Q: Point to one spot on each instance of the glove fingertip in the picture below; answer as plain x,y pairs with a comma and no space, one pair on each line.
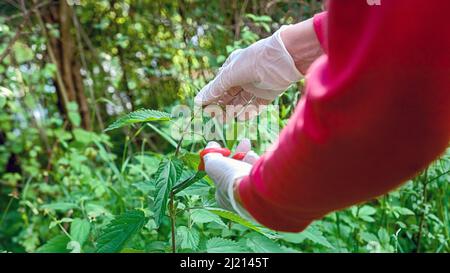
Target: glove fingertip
243,146
251,157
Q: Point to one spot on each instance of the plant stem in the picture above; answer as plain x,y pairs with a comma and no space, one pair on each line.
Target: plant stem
173,216
422,217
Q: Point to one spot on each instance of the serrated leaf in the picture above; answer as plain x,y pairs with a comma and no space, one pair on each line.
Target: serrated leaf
261,244
238,219
316,236
189,181
166,176
57,244
220,245
311,233
79,230
139,116
201,216
188,238
119,231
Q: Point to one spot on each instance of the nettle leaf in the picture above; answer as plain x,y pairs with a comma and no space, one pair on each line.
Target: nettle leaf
139,116
119,231
166,176
79,230
311,233
316,236
221,245
188,238
58,244
189,181
201,216
261,244
238,219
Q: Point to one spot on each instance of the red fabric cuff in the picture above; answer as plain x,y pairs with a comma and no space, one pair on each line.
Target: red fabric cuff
266,213
319,22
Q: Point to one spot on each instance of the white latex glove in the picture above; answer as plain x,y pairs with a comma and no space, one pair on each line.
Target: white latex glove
264,69
225,171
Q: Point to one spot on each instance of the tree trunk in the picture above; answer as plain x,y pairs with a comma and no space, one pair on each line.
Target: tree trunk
68,63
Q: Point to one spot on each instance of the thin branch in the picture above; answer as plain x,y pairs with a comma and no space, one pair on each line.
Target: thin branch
53,59
88,73
29,11
16,36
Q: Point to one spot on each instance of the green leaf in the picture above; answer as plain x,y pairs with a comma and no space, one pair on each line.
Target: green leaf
188,182
192,160
311,233
60,206
261,244
79,230
74,115
2,101
57,244
404,211
383,236
365,213
238,219
316,236
22,52
119,231
166,176
220,245
139,116
369,237
201,216
187,238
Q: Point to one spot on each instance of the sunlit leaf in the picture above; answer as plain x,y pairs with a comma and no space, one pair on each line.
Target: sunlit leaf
139,116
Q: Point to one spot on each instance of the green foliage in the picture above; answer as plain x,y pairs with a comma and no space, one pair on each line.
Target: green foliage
79,230
57,244
220,245
119,231
167,175
139,116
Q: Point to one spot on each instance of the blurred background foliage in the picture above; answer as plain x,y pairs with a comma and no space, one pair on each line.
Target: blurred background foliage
70,68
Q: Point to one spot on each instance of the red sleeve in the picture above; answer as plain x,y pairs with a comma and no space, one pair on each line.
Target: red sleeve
319,22
376,111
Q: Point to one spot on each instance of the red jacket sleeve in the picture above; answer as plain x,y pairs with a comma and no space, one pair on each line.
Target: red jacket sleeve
376,111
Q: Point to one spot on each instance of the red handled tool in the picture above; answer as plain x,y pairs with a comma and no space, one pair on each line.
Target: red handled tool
223,151
201,167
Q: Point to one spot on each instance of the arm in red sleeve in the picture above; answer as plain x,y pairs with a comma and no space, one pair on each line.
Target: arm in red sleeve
376,111
319,22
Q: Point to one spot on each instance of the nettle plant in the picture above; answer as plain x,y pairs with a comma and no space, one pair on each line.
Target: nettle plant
185,196
160,202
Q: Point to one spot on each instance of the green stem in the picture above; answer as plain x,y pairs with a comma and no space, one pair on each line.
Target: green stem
173,216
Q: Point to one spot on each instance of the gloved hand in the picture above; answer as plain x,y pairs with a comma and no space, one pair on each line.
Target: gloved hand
264,69
225,171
